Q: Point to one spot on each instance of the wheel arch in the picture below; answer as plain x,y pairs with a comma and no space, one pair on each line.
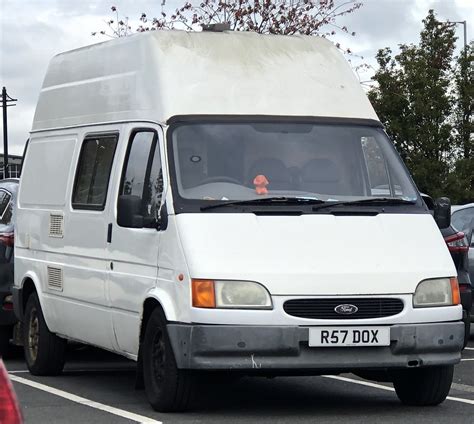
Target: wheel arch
156,298
29,284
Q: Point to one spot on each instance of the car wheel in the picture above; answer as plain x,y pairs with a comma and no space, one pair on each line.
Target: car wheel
423,386
167,387
44,351
5,336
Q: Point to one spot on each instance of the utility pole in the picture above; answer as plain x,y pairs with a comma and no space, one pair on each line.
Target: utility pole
5,100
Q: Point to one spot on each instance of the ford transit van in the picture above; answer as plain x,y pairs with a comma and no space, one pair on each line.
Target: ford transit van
228,202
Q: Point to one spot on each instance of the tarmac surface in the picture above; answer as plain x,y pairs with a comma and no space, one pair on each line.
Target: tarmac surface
98,387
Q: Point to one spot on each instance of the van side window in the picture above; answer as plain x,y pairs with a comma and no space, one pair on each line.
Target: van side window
93,172
143,175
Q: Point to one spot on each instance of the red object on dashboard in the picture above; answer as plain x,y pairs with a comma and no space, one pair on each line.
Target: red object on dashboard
261,182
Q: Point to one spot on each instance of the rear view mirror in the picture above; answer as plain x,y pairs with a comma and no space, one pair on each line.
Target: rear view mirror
129,211
442,212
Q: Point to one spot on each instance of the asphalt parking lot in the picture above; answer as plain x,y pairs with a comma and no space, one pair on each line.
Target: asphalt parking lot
98,387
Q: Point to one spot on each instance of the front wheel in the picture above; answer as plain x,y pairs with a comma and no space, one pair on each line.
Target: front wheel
167,387
423,386
44,351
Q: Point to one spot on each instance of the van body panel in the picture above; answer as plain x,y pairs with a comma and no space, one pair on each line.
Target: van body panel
94,276
135,78
316,254
49,190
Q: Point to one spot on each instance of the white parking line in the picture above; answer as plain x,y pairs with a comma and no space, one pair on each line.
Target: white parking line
469,348
82,371
390,389
467,359
84,401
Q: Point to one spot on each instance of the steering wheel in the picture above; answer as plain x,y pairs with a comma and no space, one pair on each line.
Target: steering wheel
220,179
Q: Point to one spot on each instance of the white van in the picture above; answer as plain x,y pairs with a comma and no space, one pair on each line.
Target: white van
224,201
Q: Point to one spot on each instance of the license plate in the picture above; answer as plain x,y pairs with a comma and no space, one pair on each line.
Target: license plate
349,336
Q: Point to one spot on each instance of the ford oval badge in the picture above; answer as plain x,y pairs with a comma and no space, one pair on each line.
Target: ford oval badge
346,309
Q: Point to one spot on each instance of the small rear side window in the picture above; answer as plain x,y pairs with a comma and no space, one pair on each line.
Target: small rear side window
93,172
6,208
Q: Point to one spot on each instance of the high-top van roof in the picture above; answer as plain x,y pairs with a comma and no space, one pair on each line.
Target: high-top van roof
155,75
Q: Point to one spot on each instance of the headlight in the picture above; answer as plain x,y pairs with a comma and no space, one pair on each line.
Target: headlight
230,294
437,292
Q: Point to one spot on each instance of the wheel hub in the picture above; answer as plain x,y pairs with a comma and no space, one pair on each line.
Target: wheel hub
33,334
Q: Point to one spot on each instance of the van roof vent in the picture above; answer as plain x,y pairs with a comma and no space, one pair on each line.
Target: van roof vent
55,278
220,27
56,225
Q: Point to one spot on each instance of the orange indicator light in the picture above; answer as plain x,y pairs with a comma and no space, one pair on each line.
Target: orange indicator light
203,294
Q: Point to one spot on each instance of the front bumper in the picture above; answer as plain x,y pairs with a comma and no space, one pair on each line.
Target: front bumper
226,347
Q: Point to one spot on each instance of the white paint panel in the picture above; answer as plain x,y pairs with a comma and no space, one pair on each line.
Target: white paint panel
318,254
156,75
45,172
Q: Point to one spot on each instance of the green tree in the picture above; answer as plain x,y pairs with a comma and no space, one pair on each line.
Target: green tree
461,181
422,97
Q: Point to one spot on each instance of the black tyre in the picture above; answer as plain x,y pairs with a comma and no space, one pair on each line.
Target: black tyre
44,351
5,336
167,388
423,386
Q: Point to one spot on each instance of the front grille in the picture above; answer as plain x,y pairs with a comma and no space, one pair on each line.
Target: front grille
324,308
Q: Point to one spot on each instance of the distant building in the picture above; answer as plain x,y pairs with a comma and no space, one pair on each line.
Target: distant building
14,166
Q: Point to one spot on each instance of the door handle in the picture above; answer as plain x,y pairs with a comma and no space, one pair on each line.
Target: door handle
109,233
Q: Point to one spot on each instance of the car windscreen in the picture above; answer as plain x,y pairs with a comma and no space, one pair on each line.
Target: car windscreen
463,219
223,161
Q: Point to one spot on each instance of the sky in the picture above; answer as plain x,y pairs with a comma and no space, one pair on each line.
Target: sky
33,31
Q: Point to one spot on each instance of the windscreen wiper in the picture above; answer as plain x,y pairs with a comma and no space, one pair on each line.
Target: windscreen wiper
267,200
373,201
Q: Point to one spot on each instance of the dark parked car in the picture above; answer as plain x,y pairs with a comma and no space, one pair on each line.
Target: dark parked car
458,243
463,220
8,193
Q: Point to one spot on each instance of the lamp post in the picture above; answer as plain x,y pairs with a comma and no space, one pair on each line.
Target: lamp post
465,30
5,100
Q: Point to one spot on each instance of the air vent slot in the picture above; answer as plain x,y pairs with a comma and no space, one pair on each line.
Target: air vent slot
55,278
56,225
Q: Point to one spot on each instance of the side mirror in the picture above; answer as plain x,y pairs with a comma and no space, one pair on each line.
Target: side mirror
442,212
129,211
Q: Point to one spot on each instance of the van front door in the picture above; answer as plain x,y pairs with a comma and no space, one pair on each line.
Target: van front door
133,251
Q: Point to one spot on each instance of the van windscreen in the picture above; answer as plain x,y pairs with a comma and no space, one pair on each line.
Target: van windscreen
245,160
